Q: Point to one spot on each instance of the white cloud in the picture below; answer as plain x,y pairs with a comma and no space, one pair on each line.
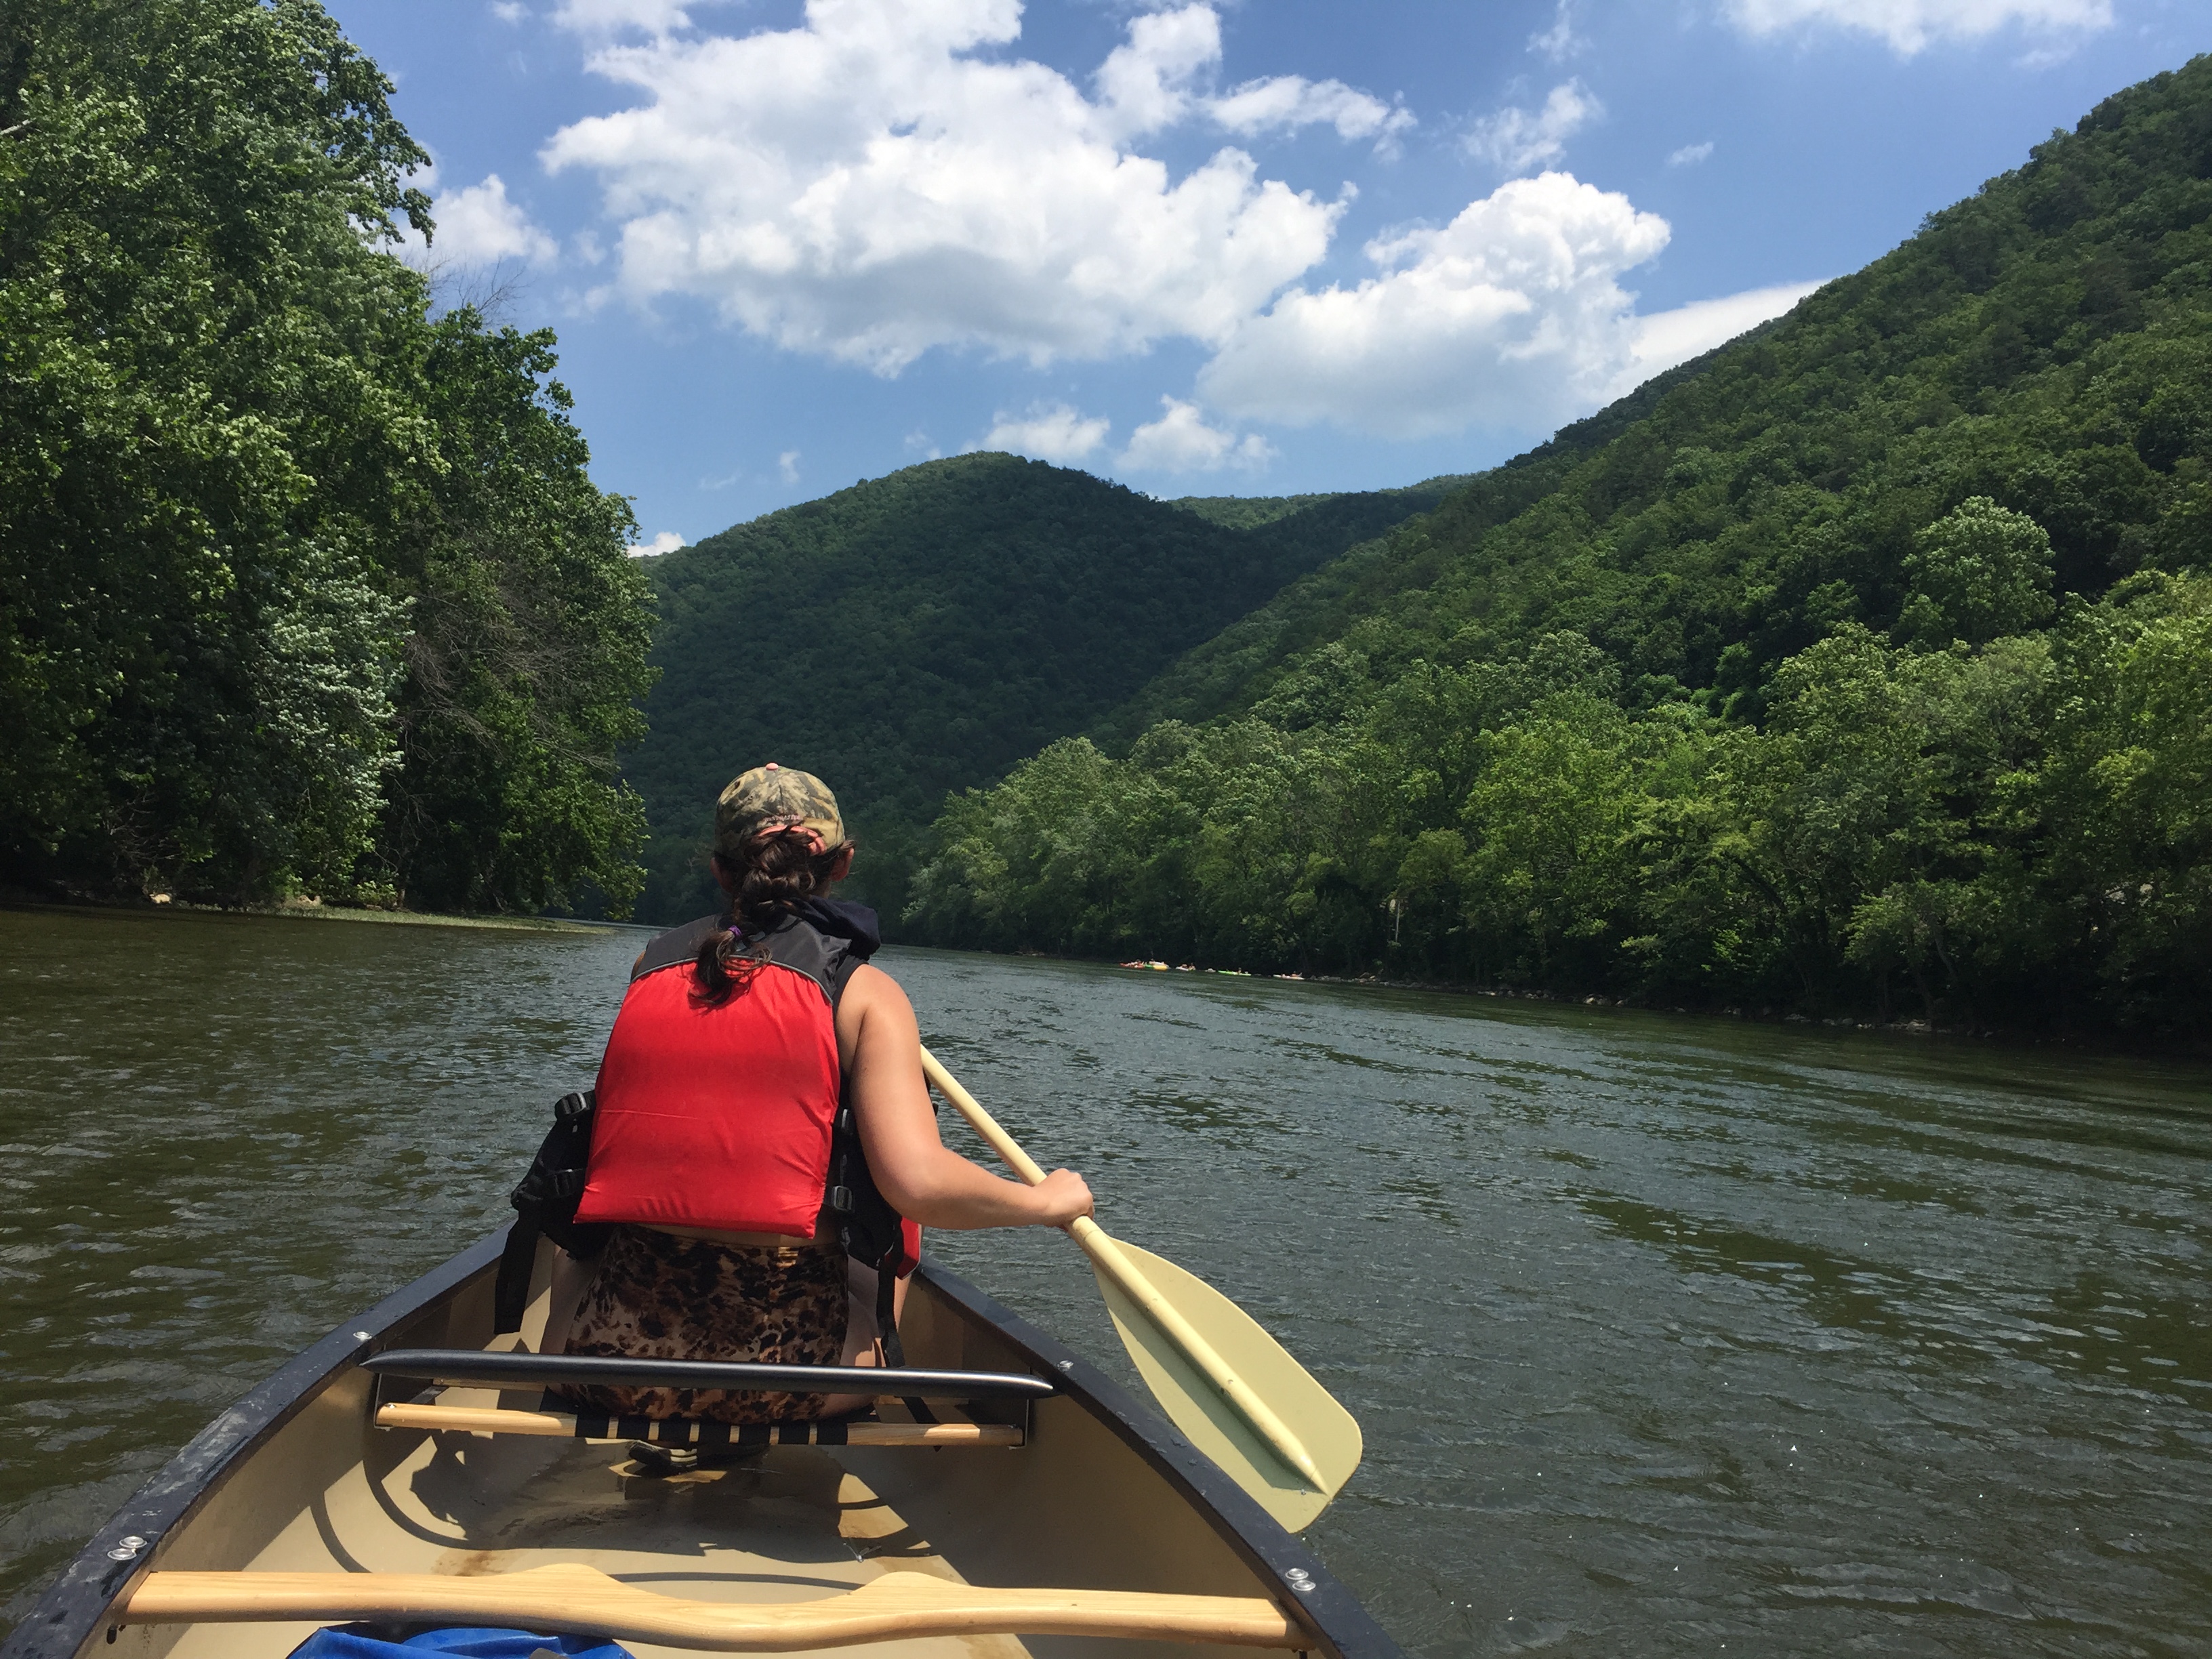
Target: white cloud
509,11
1182,441
1690,155
479,226
1517,140
1152,82
1159,79
666,542
1560,41
1291,100
787,466
879,181
1909,25
1665,338
1510,316
1052,432
604,17
891,176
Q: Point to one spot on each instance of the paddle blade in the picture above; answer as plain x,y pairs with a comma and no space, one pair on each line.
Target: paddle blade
1329,1432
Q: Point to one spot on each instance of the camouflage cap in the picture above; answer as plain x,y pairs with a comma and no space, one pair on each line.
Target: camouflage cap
770,798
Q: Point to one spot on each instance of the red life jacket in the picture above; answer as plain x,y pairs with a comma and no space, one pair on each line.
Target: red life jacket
727,1115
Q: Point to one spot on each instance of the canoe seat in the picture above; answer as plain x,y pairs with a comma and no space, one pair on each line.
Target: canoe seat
896,1423
899,1606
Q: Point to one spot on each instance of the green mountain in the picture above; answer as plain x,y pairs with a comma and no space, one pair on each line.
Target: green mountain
1863,666
920,633
1227,672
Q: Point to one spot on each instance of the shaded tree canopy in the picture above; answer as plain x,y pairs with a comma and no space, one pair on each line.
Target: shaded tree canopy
267,528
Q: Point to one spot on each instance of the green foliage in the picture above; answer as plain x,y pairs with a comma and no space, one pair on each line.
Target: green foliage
1978,571
923,632
245,476
1735,694
2017,831
1246,511
527,657
1319,527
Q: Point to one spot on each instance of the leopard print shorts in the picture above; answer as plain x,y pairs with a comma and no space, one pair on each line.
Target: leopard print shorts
659,1297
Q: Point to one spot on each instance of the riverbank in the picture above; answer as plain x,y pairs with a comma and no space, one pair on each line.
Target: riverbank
2095,1041
13,898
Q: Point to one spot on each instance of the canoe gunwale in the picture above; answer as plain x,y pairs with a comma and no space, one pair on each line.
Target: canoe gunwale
67,1618
79,1600
1344,1629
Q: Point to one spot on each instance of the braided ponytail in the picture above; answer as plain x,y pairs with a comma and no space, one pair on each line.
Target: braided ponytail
777,871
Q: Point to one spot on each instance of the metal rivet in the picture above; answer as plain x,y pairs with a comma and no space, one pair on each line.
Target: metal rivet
361,1336
118,1553
133,1542
1299,1580
1067,1364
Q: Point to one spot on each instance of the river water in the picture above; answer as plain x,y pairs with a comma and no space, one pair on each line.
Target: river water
1669,1335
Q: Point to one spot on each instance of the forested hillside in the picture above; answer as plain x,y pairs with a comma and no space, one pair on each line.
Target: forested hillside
302,589
920,633
1864,668
1223,674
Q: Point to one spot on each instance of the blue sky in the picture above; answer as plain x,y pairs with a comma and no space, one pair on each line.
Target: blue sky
1249,246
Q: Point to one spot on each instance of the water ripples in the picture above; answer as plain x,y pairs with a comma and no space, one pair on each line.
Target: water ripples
1670,1333
1667,1334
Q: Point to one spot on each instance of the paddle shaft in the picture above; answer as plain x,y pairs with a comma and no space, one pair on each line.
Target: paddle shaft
896,1607
1107,1256
550,1370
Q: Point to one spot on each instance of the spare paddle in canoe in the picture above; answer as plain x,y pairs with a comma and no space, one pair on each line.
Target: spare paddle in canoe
898,1606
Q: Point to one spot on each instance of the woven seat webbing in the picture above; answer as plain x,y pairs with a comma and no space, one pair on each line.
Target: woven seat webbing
694,1430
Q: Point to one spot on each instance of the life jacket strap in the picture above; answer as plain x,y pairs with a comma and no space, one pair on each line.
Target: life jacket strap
887,1308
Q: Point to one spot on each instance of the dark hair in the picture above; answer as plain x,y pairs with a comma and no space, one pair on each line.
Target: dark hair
776,873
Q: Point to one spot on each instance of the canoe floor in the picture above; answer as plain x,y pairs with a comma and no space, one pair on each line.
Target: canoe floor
1076,1507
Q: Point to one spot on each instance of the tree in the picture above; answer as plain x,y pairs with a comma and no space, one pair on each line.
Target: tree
1979,571
250,492
527,658
199,651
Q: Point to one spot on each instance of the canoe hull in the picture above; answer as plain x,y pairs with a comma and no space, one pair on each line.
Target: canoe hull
293,1478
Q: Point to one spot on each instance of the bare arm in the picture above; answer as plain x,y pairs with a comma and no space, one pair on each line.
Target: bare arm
880,1047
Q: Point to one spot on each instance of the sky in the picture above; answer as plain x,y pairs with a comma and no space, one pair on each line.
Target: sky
1251,247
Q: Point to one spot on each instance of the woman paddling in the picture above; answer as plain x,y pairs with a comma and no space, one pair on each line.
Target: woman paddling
764,1140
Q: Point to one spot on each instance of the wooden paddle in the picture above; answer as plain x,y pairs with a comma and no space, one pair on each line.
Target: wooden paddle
570,1596
1221,1379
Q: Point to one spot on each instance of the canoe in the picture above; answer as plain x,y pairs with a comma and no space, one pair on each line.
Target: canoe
392,1474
